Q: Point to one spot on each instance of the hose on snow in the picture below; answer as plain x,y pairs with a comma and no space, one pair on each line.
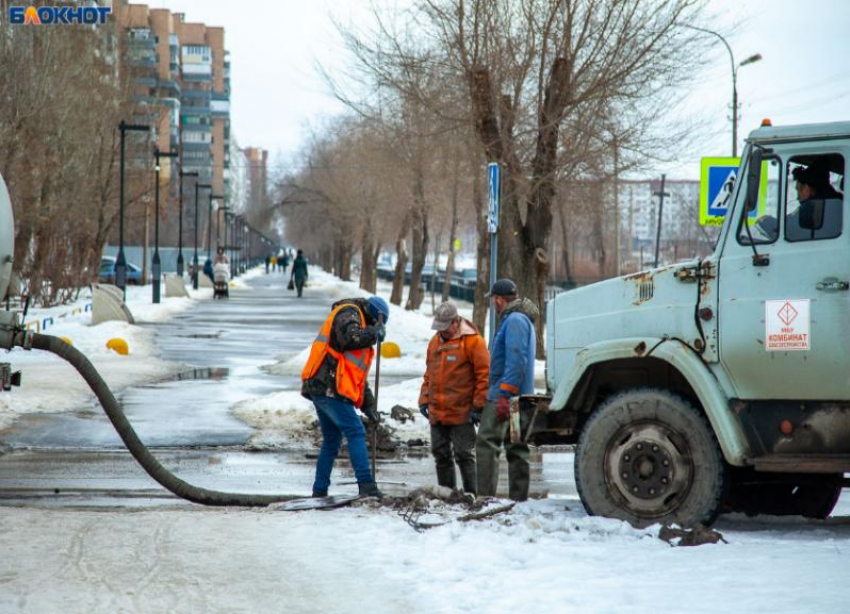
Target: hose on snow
128,435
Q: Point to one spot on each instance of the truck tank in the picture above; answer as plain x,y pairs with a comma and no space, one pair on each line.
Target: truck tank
7,238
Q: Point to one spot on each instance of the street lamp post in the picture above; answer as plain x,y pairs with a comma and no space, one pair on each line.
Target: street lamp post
209,224
121,260
218,213
198,186
750,60
157,267
180,223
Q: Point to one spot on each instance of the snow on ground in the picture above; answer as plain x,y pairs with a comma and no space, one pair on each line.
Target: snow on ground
52,385
543,557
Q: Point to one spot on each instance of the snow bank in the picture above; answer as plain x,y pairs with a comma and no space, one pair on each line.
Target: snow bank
51,385
287,420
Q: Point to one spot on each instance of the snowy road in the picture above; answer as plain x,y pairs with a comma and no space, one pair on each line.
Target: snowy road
77,459
110,540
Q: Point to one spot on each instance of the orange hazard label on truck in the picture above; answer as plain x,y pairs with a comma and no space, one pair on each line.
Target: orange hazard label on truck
787,325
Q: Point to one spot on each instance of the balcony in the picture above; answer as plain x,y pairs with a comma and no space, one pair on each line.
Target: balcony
145,81
170,85
186,110
191,146
196,69
202,128
196,78
220,108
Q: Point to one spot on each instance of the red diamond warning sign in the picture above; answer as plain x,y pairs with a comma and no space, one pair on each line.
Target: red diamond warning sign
787,325
787,313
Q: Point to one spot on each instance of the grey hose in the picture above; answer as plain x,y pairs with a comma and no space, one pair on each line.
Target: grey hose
125,430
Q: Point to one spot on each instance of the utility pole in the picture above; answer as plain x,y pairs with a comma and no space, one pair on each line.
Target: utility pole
180,261
617,203
660,196
157,266
121,260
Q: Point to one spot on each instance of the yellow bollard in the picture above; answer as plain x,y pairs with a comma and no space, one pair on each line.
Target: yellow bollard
118,345
390,349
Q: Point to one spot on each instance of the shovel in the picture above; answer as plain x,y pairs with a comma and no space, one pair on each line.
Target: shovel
377,383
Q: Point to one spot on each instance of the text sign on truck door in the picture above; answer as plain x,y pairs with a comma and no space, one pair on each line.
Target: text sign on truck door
787,325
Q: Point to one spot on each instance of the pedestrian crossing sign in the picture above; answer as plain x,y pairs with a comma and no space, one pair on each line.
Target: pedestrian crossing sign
717,189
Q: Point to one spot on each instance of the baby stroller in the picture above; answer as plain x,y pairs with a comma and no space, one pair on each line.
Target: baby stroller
221,277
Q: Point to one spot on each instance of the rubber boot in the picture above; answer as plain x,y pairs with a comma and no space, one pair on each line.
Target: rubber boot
468,477
318,494
446,476
369,489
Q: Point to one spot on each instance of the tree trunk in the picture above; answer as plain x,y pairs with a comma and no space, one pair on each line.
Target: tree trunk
401,262
565,252
368,258
482,280
433,279
450,263
416,294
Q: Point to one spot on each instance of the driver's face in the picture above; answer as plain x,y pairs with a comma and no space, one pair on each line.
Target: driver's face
804,191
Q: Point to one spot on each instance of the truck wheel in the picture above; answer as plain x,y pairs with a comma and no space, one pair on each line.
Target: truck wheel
808,495
647,456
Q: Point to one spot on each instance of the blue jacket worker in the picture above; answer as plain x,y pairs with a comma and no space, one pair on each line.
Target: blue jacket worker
511,374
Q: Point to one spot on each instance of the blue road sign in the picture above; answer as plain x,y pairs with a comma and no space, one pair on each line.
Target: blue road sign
717,188
494,177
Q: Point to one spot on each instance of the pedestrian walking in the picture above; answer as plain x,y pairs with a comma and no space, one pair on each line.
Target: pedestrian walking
285,262
299,272
268,263
511,374
335,380
453,395
274,263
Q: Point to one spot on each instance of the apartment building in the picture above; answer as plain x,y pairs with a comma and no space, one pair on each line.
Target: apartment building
181,81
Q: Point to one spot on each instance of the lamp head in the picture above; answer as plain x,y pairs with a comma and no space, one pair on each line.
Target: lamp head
751,60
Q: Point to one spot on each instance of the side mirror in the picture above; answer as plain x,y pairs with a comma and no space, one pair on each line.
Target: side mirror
811,214
753,179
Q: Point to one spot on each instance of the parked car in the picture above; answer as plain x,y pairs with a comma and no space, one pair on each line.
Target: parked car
107,272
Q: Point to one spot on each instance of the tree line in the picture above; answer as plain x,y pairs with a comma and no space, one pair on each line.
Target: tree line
566,95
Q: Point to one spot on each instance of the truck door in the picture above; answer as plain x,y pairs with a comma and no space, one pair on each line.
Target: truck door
785,326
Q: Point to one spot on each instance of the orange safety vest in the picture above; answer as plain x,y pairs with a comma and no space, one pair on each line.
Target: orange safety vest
352,366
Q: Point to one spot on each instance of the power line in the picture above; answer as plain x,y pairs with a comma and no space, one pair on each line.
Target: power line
832,80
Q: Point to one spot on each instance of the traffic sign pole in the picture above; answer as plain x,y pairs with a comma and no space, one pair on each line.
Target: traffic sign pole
494,185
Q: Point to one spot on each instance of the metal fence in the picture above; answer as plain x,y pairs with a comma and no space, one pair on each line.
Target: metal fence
463,287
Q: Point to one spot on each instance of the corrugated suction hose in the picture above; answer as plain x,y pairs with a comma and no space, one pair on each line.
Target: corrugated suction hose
128,435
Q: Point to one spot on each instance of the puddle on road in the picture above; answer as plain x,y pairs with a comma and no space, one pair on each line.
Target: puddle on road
201,336
207,373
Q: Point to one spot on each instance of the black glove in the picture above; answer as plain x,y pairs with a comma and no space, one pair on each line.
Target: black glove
475,416
380,331
423,409
371,413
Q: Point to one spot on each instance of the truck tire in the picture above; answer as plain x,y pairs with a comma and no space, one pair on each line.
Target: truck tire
648,456
807,495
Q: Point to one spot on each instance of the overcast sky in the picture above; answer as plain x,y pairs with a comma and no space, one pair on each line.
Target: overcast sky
804,75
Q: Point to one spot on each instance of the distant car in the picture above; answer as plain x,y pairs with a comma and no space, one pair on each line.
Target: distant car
107,272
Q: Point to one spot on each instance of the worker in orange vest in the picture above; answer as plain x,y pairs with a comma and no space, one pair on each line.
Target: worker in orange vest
335,380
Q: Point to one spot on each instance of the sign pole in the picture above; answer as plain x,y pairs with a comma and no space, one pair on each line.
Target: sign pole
494,185
660,196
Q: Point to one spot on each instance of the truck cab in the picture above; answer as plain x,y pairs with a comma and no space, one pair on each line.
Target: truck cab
720,384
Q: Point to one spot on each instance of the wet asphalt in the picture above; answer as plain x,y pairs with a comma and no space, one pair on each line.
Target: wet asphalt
76,459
